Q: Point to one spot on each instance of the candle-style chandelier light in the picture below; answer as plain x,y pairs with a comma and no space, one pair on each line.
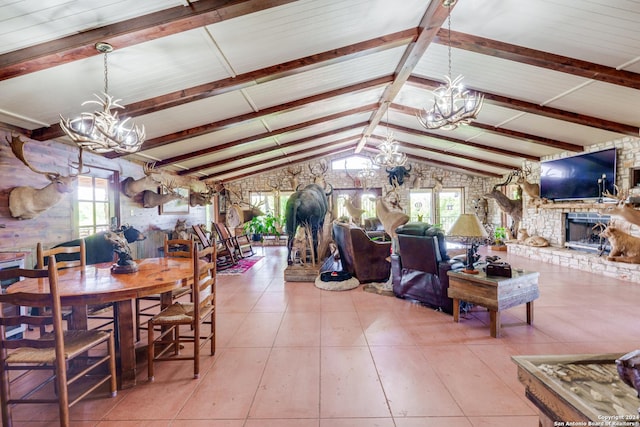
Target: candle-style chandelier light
453,104
103,131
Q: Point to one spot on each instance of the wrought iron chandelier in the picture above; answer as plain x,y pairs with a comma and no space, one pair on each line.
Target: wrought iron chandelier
389,156
453,105
103,131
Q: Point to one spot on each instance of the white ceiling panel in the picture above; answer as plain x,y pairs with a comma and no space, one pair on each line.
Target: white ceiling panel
309,27
25,23
599,31
322,109
498,76
193,114
324,79
604,100
209,140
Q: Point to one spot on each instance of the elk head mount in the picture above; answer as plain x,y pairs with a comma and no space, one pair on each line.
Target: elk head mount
29,202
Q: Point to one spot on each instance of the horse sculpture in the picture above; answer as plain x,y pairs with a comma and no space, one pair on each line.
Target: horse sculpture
307,208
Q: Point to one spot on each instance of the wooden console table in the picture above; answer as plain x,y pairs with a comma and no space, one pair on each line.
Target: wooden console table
578,390
493,292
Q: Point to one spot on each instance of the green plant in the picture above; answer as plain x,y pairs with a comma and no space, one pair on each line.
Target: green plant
264,224
500,234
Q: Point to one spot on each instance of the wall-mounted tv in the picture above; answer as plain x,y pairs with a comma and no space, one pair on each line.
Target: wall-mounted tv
577,177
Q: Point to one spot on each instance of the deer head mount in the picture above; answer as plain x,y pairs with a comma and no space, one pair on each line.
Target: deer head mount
201,198
622,209
293,177
151,199
531,189
29,202
131,187
319,172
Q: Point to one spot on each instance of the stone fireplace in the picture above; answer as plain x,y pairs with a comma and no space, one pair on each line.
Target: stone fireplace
581,231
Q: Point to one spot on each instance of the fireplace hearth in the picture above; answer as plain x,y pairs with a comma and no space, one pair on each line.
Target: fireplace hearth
581,232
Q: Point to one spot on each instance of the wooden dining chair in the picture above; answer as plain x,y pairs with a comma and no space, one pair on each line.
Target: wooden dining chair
148,306
53,351
76,256
192,315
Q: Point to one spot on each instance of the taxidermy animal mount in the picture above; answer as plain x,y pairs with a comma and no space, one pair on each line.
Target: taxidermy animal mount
131,187
29,202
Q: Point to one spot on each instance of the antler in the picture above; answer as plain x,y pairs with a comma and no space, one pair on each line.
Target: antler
507,181
621,196
17,147
148,168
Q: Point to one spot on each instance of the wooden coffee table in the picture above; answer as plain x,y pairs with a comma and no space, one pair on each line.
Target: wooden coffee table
493,292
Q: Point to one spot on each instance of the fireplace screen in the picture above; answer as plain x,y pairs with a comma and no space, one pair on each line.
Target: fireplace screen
582,232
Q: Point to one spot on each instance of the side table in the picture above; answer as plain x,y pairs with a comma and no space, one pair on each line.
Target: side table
493,292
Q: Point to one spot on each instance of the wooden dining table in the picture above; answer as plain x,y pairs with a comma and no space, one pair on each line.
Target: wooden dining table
96,284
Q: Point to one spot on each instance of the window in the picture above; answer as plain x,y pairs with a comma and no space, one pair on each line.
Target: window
266,202
352,163
96,201
421,206
448,204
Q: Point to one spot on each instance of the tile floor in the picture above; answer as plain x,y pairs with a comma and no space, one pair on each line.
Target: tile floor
291,355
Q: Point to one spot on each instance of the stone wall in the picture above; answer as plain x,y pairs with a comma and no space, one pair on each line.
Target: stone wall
547,220
421,176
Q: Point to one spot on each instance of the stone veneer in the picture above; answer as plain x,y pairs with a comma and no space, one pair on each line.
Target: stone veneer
548,220
579,260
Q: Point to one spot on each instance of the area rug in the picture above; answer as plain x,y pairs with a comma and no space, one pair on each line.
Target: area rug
241,267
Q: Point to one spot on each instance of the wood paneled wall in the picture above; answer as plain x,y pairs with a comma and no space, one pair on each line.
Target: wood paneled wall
57,224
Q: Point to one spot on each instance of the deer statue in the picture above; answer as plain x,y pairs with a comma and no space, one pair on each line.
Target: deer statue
354,212
622,209
390,218
151,199
28,202
511,207
293,177
531,190
131,187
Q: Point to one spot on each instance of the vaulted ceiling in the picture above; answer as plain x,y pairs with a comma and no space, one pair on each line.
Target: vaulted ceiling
227,89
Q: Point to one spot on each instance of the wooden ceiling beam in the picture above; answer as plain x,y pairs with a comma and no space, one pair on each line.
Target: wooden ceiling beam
277,109
535,139
405,144
537,58
430,23
127,33
449,165
253,138
270,168
429,134
540,110
245,80
266,150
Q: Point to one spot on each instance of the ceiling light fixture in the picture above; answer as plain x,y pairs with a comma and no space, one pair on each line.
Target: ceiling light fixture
103,131
389,156
453,105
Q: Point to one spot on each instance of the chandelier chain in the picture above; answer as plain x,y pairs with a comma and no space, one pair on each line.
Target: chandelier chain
449,39
106,74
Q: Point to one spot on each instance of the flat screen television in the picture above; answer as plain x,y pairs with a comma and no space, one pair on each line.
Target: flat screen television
578,177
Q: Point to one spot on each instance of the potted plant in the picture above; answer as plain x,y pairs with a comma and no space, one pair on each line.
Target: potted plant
499,236
261,225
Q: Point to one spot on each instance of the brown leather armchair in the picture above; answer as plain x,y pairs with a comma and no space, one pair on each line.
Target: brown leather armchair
364,258
419,269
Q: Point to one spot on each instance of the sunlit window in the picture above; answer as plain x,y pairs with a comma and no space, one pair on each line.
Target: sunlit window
95,205
353,163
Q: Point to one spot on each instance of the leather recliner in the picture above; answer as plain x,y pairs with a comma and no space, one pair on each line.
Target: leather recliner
419,269
364,258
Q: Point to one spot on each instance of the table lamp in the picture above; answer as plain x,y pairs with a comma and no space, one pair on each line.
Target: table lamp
469,228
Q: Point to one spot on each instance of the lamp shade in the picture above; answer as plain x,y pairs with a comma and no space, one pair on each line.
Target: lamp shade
468,225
